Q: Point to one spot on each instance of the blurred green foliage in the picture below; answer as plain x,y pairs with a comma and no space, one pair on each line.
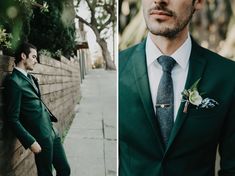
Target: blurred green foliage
39,22
49,32
14,18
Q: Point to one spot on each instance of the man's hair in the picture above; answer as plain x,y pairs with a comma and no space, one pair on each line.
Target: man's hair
23,48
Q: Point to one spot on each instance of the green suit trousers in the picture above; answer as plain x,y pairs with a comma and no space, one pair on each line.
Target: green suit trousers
52,154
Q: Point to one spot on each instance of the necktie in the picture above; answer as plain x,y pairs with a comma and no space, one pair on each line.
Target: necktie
165,98
31,80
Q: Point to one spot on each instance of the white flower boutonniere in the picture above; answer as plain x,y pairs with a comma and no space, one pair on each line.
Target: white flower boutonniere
37,79
192,96
195,98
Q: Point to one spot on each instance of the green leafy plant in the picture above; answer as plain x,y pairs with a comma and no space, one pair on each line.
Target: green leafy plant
15,17
5,38
45,53
50,32
43,7
58,53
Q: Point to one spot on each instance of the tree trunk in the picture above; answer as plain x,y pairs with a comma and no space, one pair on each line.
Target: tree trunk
109,64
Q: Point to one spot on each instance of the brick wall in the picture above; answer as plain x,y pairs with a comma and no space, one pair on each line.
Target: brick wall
60,88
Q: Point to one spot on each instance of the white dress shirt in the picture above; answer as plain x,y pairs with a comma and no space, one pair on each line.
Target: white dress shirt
26,74
22,71
179,72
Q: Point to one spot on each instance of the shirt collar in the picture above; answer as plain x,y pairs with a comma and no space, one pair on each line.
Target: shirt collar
181,55
22,71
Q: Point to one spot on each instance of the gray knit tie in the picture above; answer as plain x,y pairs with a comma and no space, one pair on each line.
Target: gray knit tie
165,98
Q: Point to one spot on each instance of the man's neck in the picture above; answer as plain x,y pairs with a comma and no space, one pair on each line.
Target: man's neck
21,66
21,70
169,45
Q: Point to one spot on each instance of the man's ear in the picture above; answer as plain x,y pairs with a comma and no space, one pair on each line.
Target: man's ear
198,4
23,56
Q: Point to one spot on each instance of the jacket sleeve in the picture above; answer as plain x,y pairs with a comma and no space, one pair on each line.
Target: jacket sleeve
13,97
227,143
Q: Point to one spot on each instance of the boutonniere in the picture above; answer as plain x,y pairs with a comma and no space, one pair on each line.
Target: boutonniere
37,79
192,96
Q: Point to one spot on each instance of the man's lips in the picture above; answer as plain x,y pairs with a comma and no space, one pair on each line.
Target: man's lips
160,13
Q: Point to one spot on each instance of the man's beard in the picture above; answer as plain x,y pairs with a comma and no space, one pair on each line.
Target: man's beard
179,26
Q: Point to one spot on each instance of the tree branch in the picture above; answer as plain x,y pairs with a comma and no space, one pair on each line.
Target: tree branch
83,21
92,10
89,5
103,26
94,28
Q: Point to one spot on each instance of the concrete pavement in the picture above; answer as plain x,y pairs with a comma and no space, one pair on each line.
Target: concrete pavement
91,142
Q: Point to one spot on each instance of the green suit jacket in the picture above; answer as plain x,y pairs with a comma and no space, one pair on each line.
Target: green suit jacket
26,114
196,134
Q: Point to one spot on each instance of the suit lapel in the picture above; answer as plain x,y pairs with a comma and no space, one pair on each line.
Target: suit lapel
27,79
196,68
141,77
15,71
36,84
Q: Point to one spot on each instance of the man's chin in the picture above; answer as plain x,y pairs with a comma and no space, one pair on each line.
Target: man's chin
30,69
167,32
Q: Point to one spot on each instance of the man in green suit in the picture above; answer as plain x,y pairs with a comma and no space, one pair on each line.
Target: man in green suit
30,119
162,131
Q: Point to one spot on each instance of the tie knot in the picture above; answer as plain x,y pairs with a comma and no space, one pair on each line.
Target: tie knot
167,63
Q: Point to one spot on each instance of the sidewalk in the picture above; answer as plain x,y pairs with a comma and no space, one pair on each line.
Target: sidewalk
91,141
